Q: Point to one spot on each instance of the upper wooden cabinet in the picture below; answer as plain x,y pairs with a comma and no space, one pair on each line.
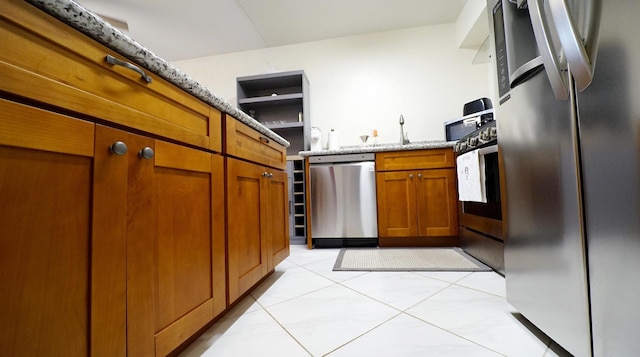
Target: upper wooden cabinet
416,194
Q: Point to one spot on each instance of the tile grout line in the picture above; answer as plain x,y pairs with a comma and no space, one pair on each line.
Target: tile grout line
400,311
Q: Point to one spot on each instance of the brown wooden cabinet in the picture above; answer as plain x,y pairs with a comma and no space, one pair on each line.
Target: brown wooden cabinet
45,229
416,194
106,251
104,254
257,223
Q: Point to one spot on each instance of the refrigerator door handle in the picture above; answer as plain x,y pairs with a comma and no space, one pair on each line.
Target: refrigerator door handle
580,58
557,77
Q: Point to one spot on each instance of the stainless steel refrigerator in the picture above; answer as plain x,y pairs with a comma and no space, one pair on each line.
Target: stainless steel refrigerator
568,113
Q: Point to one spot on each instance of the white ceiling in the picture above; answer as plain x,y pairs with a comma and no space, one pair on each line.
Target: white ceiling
177,30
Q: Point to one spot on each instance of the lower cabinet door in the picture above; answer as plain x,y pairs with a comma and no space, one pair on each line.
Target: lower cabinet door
278,217
396,194
437,203
189,275
246,226
154,204
46,162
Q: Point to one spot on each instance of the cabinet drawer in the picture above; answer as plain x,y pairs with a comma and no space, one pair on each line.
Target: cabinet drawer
415,159
46,60
246,143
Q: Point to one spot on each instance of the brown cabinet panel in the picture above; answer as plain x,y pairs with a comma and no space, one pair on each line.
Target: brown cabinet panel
246,143
257,223
101,251
246,226
45,236
278,217
183,243
50,62
45,252
415,159
416,207
131,178
189,289
436,192
396,204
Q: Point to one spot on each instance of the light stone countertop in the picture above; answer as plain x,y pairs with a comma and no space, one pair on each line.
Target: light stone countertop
421,145
93,26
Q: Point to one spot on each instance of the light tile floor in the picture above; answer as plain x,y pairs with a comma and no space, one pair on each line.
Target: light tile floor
306,309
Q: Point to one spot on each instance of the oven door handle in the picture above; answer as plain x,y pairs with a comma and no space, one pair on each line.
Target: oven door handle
487,150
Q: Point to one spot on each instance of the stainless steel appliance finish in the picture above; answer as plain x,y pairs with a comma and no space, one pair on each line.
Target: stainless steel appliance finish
458,128
343,198
480,223
570,138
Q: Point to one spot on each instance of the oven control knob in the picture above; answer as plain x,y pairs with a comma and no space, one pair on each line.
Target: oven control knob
463,146
493,132
472,142
485,135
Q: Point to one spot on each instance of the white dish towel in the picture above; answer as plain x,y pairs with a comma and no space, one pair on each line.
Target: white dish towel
471,177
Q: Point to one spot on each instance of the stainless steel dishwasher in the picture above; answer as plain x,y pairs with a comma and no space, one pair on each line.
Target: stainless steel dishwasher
343,200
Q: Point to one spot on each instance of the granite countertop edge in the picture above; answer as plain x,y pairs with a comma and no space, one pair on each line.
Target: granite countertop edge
422,145
95,27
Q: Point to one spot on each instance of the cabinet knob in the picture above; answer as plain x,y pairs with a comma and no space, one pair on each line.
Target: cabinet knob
410,175
118,148
270,175
265,174
146,153
419,175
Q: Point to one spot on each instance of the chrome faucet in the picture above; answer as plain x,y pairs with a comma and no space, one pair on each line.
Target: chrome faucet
404,139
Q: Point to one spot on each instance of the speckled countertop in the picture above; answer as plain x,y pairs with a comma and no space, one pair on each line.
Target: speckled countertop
421,145
93,26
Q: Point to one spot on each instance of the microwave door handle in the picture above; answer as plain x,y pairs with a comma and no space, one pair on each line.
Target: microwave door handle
557,77
581,60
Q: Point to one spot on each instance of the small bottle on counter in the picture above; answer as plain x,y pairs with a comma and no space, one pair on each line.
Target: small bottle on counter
375,137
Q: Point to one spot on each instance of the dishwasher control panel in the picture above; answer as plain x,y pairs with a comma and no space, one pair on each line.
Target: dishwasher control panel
326,159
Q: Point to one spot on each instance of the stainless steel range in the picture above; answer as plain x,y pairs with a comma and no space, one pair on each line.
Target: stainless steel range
480,220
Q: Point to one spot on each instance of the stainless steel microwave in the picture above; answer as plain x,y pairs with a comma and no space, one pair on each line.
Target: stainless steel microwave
456,129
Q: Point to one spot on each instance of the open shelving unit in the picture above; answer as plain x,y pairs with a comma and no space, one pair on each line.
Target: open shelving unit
280,101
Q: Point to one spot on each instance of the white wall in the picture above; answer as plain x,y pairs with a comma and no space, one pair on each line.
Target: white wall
365,82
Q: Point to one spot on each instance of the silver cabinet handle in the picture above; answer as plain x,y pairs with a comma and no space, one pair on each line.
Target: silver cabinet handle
146,153
118,148
419,175
580,57
557,78
270,175
410,175
264,139
114,61
265,174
